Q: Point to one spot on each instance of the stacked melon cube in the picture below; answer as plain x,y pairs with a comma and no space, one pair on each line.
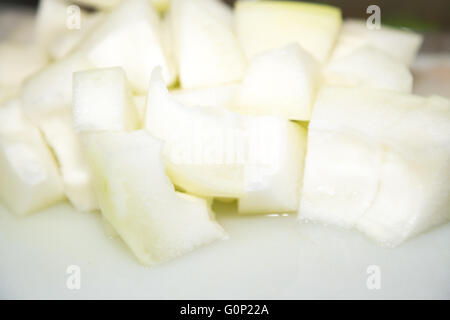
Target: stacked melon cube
278,105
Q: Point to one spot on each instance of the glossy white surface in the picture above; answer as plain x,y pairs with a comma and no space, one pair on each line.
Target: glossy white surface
265,258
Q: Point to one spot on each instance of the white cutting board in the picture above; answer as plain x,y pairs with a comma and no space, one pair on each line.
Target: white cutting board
265,258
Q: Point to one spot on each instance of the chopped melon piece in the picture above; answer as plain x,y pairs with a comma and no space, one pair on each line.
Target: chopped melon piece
65,43
203,145
401,44
13,120
102,101
130,37
278,188
207,51
139,201
264,25
67,148
19,61
213,152
281,82
340,178
369,67
30,179
51,89
217,97
378,161
53,20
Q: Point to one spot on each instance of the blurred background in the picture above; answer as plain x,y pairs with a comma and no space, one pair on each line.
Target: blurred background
429,17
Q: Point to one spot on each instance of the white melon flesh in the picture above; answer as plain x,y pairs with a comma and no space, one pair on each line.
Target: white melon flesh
50,89
278,187
281,82
54,18
102,101
68,150
8,92
378,161
402,45
218,97
265,25
140,102
199,157
130,37
213,152
369,67
139,201
340,177
207,51
51,18
19,61
30,179
66,42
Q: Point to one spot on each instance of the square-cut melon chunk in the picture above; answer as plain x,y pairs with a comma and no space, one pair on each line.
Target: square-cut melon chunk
102,101
281,82
378,161
205,46
139,201
264,25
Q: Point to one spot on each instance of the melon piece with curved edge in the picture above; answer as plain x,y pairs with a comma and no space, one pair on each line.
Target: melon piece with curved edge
207,51
281,82
369,67
213,152
402,45
139,201
30,179
204,146
265,25
217,97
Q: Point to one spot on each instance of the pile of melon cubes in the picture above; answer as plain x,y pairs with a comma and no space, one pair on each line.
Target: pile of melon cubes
147,111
